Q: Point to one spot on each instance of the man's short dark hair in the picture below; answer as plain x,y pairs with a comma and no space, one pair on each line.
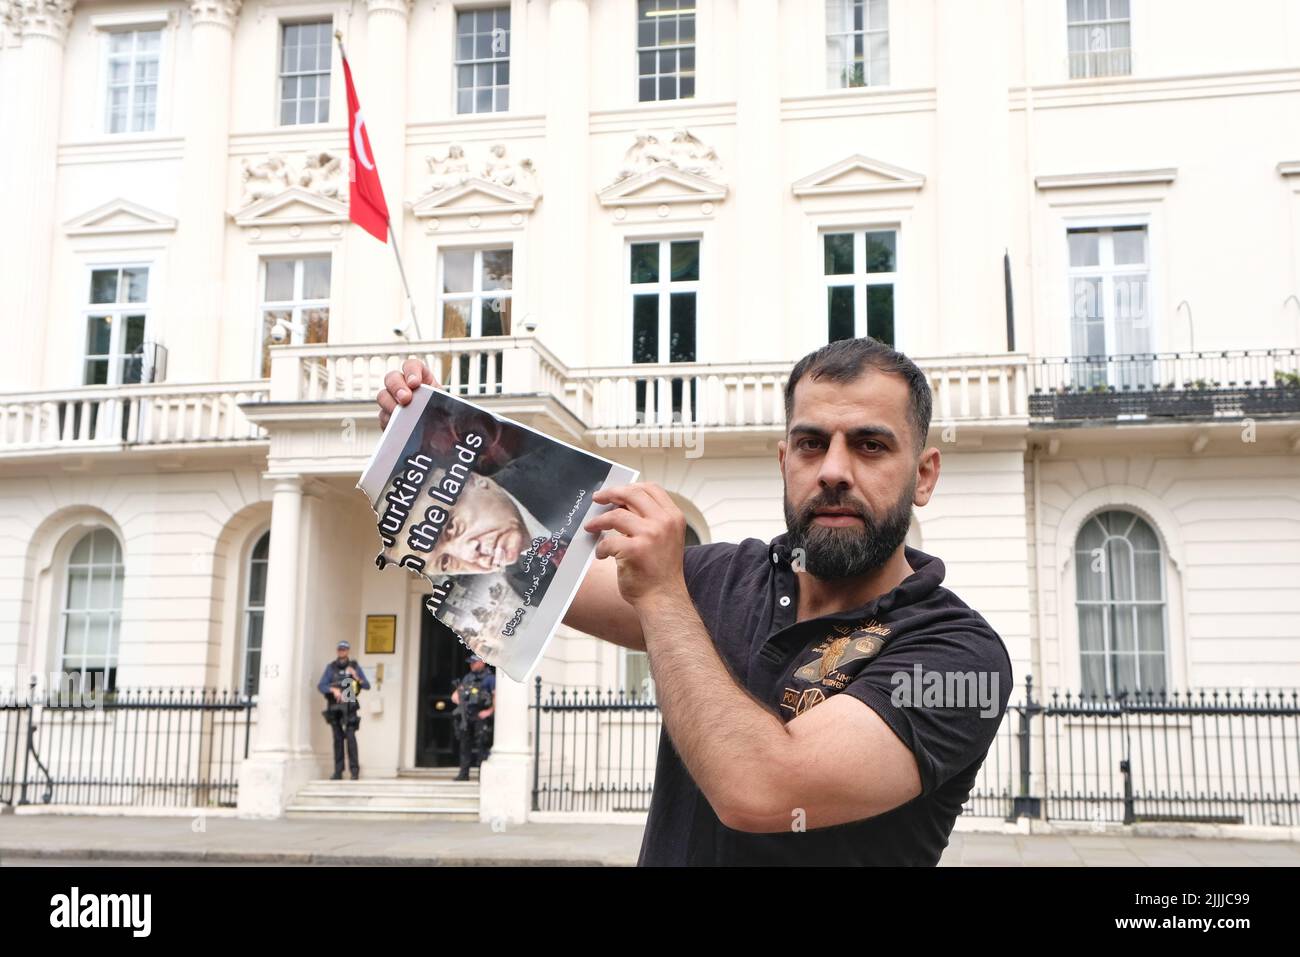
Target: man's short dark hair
846,359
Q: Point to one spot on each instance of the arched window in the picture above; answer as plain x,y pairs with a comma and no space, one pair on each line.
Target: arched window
1119,569
254,610
92,610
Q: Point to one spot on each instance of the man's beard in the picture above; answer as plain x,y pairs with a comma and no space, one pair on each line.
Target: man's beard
846,551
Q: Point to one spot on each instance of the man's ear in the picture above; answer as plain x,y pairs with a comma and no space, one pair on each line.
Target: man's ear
927,475
780,455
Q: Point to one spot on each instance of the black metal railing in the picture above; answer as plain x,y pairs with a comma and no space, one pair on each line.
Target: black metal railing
593,750
1194,385
1226,756
152,747
1209,755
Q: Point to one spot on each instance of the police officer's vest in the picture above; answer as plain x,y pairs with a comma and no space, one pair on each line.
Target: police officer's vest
474,696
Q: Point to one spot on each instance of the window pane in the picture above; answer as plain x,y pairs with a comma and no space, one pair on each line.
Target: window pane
458,270
279,280
78,588
257,583
132,333
455,318
645,328
269,318
103,285
1130,247
838,253
496,316
645,262
317,324
880,312
839,311
99,333
685,260
646,90
498,267
880,252
681,327
1084,249
316,277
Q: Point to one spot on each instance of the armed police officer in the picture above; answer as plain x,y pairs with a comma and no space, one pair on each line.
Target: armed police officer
340,684
473,700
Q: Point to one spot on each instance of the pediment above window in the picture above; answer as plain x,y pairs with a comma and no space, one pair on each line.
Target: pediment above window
473,197
662,185
294,206
858,174
119,216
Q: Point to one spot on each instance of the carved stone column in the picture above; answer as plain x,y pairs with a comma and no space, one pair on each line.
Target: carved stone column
193,325
33,144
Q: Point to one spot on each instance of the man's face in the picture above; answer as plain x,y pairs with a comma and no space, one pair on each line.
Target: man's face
852,473
476,666
484,531
342,654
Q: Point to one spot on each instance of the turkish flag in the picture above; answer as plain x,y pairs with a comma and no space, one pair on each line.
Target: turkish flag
366,206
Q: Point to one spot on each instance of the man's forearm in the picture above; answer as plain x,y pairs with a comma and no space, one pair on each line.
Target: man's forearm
731,745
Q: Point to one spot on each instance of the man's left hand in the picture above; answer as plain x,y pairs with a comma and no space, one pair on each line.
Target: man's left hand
648,549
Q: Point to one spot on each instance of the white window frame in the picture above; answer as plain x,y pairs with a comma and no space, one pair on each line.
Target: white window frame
456,63
1091,57
1104,603
663,288
859,279
694,45
302,19
105,73
867,32
247,608
118,310
295,306
477,293
114,614
1109,272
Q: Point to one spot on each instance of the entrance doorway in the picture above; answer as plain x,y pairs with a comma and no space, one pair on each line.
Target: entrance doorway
441,664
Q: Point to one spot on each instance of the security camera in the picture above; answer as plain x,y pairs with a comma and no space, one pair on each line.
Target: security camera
279,333
399,331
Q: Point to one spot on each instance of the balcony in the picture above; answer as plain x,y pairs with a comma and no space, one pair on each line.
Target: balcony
735,398
319,386
1235,384
116,418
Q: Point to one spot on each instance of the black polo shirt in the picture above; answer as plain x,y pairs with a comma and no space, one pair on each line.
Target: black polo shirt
747,596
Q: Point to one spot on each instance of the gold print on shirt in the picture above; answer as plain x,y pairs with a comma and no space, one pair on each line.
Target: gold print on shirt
843,645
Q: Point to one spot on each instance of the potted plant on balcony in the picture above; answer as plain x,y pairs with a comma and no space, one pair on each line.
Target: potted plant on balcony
1282,396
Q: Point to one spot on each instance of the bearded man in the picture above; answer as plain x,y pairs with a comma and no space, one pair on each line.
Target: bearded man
825,699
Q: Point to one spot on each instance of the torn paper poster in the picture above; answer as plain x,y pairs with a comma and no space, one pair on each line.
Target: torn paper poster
491,512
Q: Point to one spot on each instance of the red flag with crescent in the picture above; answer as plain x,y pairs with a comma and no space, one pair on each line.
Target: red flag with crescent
366,206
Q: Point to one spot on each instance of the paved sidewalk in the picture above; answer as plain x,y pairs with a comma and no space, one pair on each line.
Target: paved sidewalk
225,840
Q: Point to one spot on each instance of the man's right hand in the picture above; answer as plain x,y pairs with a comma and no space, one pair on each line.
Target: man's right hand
399,387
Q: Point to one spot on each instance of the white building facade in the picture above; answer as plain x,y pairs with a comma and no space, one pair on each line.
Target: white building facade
622,221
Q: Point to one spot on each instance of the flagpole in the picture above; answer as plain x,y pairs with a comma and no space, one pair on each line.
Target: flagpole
397,253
